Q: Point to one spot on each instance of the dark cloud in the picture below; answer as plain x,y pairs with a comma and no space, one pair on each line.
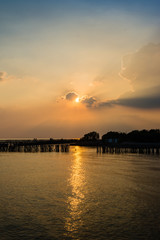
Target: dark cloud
109,103
89,101
149,100
141,102
71,96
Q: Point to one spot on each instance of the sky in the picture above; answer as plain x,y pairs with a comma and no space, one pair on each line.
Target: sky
69,67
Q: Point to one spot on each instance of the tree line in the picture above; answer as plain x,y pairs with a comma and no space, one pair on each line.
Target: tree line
150,136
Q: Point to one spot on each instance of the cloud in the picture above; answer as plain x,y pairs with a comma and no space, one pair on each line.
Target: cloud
141,102
98,81
89,101
142,68
3,76
148,100
71,96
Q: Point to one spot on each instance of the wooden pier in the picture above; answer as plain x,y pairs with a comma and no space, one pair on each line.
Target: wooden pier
32,147
64,145
130,148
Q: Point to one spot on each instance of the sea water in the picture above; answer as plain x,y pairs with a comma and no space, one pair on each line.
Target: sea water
79,195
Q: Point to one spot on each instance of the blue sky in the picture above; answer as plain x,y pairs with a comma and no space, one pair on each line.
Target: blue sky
19,9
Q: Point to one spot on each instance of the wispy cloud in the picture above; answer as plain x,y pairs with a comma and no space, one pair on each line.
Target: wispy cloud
3,76
98,81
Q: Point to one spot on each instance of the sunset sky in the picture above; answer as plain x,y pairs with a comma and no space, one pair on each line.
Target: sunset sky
69,67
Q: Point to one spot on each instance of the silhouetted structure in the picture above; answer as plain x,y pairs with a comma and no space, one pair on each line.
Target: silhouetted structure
145,141
143,136
34,146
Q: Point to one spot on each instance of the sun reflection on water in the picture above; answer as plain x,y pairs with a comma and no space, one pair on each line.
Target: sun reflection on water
76,199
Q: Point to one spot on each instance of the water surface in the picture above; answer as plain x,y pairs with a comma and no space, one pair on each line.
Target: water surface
79,195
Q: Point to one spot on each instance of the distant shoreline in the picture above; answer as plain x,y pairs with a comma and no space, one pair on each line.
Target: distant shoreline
144,139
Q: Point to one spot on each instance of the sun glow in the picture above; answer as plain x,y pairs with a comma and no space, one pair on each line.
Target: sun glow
77,100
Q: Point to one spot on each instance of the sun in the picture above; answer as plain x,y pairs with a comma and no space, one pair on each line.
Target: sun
77,100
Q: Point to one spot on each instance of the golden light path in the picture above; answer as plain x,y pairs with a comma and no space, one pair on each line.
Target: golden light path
76,199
